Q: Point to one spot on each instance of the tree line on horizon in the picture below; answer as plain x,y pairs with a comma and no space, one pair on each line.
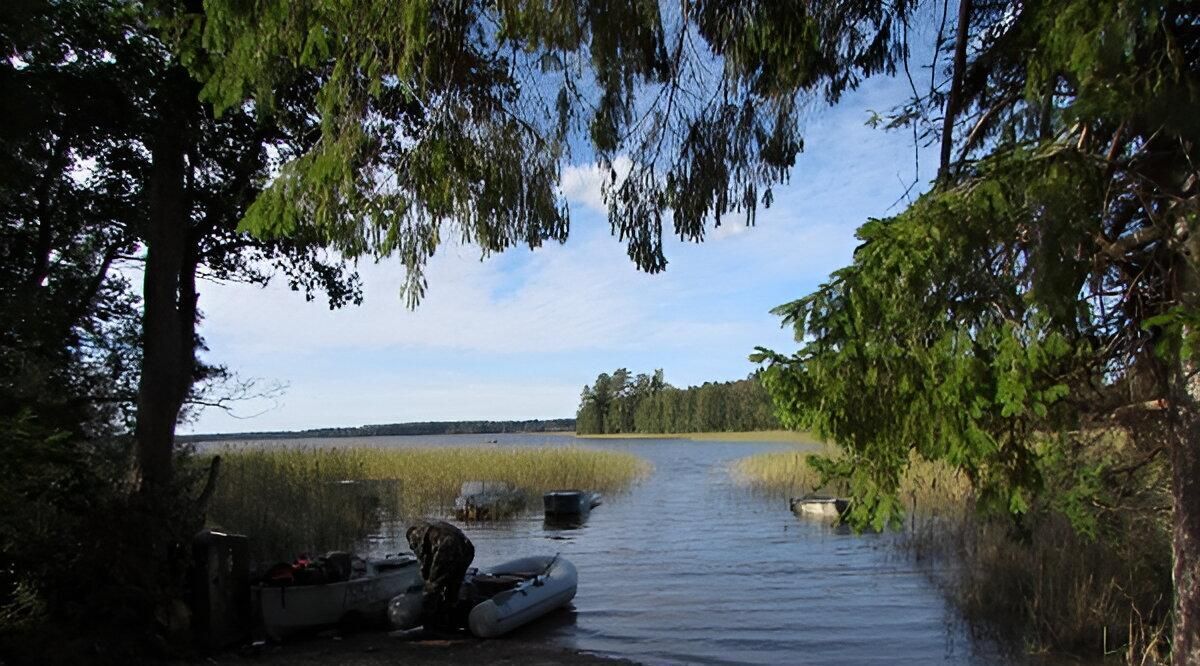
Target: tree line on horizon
397,429
625,403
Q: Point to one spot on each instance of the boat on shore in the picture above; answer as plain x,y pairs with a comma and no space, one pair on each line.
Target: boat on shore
500,598
821,507
530,588
576,504
487,500
289,607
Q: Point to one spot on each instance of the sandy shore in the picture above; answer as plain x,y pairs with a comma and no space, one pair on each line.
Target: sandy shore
377,648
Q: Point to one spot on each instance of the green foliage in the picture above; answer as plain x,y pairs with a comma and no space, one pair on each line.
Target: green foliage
87,84
1003,313
952,335
81,88
74,545
68,324
1178,333
450,121
621,403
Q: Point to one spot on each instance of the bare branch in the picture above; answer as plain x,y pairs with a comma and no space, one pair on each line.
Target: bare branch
225,392
981,125
1123,245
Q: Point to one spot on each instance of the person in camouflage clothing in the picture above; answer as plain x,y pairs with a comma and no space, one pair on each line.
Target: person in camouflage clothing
445,553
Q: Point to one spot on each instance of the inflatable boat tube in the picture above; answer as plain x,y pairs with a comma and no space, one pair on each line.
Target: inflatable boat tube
550,583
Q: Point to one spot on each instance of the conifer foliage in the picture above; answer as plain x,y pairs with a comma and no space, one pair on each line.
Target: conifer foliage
447,121
1043,292
623,403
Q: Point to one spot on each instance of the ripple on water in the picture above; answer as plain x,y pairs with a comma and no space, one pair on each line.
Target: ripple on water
687,568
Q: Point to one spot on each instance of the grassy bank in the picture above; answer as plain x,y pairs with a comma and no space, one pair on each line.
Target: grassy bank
930,490
1039,585
787,436
292,500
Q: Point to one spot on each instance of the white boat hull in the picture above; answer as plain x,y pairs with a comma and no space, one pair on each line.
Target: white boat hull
529,600
821,507
293,609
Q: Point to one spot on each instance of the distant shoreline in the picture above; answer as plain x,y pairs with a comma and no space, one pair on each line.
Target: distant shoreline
789,436
415,428
424,429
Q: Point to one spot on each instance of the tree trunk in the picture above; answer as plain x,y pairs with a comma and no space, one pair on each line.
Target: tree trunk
168,326
1185,478
957,73
45,206
1185,536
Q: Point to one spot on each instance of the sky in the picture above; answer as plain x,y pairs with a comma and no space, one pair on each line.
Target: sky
518,335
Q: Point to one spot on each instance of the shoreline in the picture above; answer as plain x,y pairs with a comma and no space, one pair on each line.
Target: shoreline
377,648
783,436
778,436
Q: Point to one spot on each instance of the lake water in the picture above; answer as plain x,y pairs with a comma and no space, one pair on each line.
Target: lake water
688,568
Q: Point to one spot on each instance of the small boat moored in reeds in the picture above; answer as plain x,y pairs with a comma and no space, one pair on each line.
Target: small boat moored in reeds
570,503
488,500
819,507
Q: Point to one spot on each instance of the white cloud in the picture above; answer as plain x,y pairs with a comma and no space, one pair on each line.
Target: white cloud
582,183
729,229
568,299
515,336
586,295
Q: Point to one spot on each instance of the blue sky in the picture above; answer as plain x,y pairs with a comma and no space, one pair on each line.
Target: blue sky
517,336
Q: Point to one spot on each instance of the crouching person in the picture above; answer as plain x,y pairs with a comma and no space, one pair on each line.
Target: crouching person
445,554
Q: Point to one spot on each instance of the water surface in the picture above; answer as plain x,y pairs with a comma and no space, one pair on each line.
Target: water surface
688,568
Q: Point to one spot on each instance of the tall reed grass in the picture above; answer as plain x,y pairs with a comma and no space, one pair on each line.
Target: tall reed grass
930,489
1047,589
1040,586
294,500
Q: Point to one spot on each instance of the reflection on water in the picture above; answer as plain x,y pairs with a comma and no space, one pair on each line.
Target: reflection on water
687,568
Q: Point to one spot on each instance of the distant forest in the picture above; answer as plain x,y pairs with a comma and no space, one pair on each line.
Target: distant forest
624,403
420,428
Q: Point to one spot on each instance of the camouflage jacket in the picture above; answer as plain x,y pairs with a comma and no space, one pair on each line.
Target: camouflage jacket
439,545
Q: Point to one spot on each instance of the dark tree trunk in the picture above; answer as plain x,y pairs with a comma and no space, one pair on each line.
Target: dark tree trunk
169,288
1185,541
954,99
45,207
1185,473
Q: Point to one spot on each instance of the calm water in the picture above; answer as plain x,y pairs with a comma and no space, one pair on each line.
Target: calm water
687,568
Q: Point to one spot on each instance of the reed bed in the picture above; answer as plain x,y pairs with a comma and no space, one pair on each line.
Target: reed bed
310,500
930,489
1049,589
